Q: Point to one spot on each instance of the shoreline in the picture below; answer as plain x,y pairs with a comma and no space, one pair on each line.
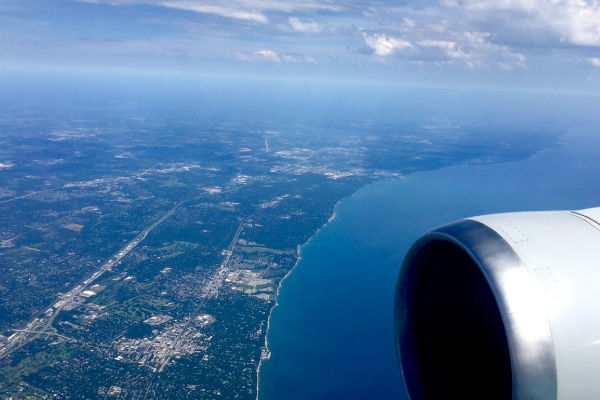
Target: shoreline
265,352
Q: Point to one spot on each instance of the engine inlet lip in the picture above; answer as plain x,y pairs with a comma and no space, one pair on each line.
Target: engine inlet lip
533,365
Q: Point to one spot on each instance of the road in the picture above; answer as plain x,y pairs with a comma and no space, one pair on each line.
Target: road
210,290
40,325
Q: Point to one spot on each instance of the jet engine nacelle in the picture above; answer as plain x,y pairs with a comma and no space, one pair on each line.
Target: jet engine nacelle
503,306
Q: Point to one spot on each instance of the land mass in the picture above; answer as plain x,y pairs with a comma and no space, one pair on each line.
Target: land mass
142,257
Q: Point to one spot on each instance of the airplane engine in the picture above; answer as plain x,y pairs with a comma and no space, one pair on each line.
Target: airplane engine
502,306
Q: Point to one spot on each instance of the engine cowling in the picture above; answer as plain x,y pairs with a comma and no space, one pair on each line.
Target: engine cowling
502,306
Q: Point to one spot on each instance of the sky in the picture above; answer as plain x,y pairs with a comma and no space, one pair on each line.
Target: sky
544,44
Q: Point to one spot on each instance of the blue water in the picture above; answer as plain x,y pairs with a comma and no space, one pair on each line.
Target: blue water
331,335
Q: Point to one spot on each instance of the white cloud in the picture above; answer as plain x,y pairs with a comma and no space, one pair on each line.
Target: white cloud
227,12
384,45
448,47
434,32
241,56
442,44
409,23
595,61
475,50
574,21
247,10
471,48
268,55
304,26
309,60
289,59
287,6
479,43
6,165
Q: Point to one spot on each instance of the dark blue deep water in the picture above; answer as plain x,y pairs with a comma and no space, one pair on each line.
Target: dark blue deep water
331,335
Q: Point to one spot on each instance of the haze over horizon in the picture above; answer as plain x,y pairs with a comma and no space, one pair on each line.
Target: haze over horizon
509,44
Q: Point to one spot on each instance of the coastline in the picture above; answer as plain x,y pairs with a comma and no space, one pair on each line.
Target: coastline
265,352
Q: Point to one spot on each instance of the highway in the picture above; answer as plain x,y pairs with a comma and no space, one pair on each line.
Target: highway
40,325
210,290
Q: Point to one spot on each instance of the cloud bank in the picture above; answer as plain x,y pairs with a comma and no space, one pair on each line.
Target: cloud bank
528,38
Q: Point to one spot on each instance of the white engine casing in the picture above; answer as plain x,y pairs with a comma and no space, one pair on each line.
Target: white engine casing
543,270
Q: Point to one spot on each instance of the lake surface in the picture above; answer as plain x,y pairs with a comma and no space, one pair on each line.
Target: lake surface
332,334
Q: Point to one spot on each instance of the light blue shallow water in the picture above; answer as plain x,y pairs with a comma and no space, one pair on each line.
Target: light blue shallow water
332,334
